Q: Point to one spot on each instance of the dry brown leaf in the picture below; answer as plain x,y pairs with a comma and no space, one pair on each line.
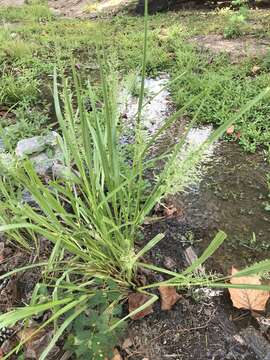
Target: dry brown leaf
170,211
127,343
256,69
251,299
168,296
36,343
230,130
135,300
116,355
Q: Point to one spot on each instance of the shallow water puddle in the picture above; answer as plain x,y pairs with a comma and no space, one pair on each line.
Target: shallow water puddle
232,193
156,104
231,196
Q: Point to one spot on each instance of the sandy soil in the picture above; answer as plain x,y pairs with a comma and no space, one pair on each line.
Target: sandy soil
11,2
236,48
70,8
86,8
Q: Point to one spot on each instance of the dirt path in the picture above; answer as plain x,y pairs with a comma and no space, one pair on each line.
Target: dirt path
11,2
237,49
86,8
69,8
78,8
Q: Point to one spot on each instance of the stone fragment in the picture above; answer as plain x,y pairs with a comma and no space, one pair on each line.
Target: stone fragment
36,144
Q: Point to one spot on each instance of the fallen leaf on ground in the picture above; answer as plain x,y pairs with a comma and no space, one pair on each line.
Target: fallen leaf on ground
37,342
256,69
127,343
169,297
230,130
170,211
135,300
250,299
2,248
116,355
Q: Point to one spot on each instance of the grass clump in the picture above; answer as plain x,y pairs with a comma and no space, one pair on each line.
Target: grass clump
33,12
236,20
93,218
14,88
17,50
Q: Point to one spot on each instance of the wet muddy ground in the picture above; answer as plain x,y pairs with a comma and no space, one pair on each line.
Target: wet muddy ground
232,195
200,326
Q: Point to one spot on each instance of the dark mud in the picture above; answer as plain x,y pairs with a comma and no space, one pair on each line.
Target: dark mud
198,327
232,196
17,289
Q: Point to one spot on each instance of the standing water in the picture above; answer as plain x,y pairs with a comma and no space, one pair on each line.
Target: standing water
232,193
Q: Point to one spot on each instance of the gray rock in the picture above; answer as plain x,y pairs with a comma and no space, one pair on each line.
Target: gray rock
36,144
63,172
43,151
27,198
2,146
42,163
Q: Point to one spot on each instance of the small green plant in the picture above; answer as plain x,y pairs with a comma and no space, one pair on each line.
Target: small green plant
236,20
133,84
89,335
28,123
17,87
17,50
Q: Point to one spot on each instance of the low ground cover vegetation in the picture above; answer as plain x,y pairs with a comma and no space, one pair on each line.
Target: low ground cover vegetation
30,49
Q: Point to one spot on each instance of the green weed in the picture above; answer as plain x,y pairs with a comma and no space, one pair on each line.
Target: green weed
28,123
15,88
236,20
16,50
32,12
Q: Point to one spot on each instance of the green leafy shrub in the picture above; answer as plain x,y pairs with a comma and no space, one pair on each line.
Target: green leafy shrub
236,21
17,87
34,12
28,123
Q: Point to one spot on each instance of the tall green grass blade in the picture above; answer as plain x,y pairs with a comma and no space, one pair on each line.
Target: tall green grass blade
60,332
12,317
151,301
148,246
214,245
